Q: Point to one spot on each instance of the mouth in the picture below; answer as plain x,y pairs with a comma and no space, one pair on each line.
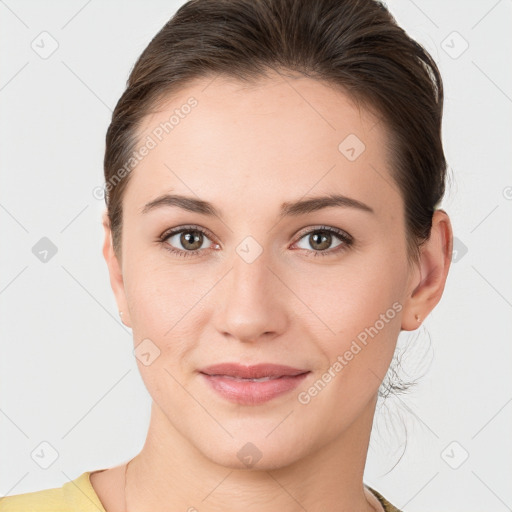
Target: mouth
252,385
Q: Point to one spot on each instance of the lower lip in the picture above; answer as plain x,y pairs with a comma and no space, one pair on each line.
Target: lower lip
247,392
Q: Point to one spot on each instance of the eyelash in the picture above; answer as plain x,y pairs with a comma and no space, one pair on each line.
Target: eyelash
344,237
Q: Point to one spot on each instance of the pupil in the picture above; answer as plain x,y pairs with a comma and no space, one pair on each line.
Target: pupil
188,238
322,239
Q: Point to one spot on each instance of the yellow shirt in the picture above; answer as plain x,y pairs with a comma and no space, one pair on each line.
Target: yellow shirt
79,496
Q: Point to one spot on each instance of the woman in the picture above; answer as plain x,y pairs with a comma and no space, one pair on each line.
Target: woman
273,175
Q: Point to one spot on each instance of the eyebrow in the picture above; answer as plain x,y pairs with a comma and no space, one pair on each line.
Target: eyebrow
293,209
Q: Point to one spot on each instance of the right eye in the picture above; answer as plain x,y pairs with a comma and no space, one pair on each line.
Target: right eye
185,241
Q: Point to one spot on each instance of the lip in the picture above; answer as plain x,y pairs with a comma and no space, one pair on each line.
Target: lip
232,381
256,371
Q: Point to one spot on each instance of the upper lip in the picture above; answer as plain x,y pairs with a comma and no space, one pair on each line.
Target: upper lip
251,372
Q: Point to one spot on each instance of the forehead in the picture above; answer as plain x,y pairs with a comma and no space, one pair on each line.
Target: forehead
281,136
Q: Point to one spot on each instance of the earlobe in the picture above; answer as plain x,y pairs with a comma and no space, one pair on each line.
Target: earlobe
434,263
115,272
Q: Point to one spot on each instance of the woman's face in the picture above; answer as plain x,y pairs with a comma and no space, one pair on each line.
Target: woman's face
259,281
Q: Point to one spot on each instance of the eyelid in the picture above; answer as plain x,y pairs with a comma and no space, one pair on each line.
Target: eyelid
320,227
187,227
346,241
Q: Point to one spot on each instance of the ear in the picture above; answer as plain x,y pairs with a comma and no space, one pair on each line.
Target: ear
428,281
115,272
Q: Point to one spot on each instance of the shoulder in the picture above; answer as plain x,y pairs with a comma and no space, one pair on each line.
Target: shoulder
386,505
47,500
74,496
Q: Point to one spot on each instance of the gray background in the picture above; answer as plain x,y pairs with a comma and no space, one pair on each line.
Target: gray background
68,378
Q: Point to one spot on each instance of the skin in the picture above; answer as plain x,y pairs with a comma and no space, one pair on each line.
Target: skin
248,149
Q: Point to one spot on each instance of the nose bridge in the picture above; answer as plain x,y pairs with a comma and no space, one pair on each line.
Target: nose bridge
251,279
251,299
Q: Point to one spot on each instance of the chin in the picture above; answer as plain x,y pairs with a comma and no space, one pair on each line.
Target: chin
252,452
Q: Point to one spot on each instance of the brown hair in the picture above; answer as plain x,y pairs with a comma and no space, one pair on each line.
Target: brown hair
354,45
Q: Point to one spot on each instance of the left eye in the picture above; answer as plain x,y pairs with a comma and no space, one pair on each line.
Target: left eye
321,239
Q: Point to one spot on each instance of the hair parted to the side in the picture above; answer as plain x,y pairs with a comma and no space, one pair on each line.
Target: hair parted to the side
355,45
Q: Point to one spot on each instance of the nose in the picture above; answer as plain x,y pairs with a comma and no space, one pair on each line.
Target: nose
253,303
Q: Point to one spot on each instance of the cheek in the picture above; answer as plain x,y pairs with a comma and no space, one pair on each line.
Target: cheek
348,298
361,304
163,323
164,305
160,293
365,316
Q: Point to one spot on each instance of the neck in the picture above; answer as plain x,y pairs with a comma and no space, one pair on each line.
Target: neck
171,474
